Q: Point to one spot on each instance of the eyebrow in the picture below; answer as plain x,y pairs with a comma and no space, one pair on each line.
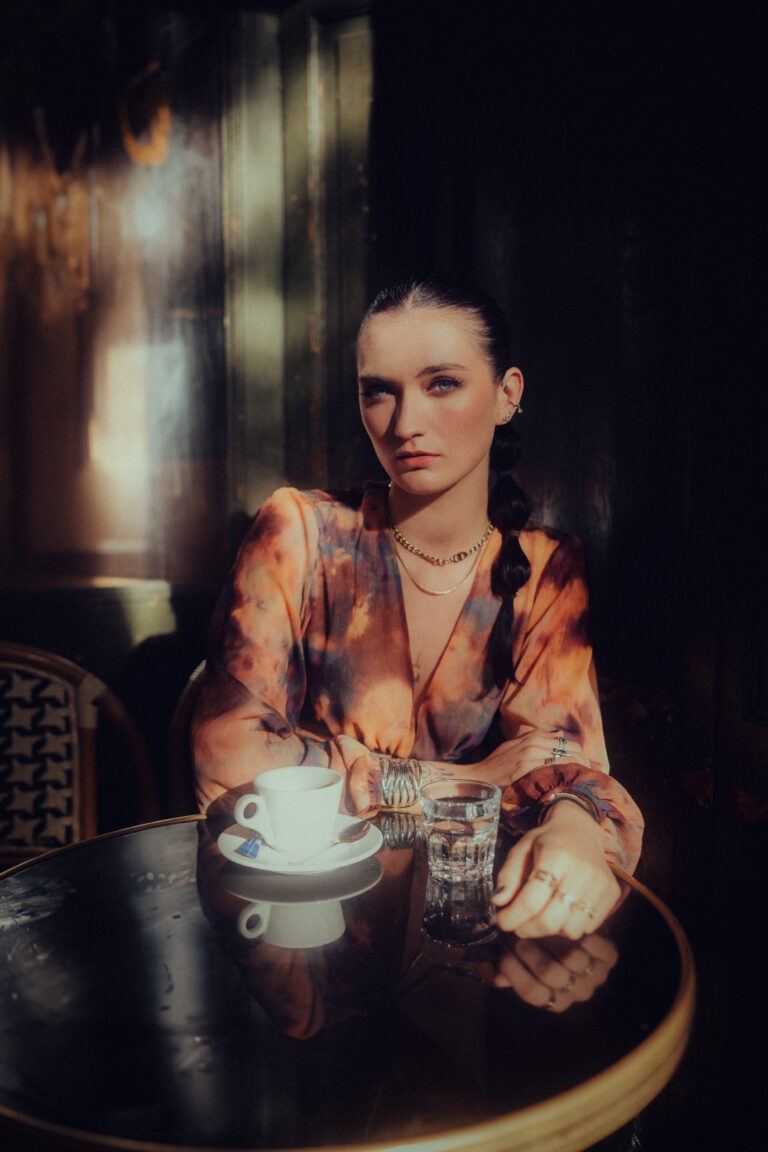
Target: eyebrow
430,370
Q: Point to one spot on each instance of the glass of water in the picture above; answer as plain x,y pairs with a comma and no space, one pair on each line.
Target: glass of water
461,818
458,914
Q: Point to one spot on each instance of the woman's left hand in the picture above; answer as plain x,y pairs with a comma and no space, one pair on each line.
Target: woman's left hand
556,973
555,880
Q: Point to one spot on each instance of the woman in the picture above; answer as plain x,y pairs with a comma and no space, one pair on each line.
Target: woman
422,628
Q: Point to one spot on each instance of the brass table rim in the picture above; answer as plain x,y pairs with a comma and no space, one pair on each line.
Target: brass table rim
568,1122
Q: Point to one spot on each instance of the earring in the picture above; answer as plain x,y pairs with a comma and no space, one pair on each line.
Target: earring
508,417
519,409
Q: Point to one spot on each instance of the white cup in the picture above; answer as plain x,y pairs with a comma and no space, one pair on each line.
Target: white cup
294,809
307,925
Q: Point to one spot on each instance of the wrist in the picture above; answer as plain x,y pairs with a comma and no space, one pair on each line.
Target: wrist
400,780
567,805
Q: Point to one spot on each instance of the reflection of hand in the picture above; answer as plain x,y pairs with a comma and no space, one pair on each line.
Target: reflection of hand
555,973
363,783
556,878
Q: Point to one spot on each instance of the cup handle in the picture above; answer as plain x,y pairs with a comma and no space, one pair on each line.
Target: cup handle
257,819
253,920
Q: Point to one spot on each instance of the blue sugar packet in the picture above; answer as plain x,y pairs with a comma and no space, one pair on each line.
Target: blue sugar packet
250,847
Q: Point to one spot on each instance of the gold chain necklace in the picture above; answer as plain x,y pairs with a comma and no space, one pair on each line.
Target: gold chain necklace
438,560
441,591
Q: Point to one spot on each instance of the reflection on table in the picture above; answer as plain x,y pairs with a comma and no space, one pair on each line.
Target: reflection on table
155,992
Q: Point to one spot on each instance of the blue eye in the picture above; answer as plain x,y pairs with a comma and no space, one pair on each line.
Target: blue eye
374,391
444,383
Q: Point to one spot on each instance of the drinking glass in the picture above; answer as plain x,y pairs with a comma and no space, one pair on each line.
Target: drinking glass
458,914
461,818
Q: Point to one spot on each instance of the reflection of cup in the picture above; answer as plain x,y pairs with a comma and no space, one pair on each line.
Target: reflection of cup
307,925
461,818
459,914
294,809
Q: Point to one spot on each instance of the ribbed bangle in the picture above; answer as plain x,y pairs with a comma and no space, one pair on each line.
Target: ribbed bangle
400,781
574,798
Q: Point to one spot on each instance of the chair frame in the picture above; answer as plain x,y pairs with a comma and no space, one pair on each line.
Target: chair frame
181,794
93,700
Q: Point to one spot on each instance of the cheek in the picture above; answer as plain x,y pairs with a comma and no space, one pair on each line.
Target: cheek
375,422
476,421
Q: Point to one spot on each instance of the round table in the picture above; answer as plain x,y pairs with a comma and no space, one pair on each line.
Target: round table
154,994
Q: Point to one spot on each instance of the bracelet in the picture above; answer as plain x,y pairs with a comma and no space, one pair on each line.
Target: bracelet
400,781
582,801
400,829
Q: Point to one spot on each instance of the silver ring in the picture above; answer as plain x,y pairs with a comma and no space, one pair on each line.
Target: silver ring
547,877
583,906
570,983
566,898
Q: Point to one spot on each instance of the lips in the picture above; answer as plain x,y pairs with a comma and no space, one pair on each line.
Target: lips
414,459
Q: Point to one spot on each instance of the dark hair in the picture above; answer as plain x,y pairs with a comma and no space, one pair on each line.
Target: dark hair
507,505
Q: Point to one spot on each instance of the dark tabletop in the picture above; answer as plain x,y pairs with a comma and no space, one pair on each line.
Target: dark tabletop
132,1006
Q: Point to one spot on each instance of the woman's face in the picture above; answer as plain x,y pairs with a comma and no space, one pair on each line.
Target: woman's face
429,399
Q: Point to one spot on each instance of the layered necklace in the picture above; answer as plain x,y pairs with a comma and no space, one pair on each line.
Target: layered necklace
439,561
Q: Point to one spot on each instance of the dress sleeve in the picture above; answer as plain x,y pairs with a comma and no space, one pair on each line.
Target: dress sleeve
555,690
254,685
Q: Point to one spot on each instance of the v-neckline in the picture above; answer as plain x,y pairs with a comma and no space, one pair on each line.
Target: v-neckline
395,566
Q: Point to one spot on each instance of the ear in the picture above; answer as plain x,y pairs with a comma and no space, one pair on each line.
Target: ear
509,396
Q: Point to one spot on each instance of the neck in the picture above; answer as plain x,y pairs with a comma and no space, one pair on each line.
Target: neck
444,523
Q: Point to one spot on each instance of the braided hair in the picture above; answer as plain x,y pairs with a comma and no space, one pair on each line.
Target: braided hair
507,506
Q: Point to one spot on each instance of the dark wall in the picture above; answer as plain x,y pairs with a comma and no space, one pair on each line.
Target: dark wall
598,167
592,164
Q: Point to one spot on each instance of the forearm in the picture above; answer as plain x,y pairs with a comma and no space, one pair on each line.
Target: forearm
230,751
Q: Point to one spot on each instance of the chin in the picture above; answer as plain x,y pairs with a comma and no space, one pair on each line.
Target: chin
419,481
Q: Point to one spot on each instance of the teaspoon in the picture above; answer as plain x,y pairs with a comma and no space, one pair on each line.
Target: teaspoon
354,831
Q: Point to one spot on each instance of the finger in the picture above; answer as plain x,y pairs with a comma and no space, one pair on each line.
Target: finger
567,952
528,903
510,875
576,922
544,966
514,974
564,914
363,787
600,948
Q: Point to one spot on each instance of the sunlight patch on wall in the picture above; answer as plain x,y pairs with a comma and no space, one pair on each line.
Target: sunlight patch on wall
117,444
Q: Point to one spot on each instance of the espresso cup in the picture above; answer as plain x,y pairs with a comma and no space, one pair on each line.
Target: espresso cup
294,809
307,925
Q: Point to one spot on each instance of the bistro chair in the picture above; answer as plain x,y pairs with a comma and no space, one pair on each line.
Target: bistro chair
50,710
181,795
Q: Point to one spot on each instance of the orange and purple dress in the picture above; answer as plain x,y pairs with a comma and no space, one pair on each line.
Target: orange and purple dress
310,662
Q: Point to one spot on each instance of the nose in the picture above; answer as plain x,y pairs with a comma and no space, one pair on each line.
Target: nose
409,416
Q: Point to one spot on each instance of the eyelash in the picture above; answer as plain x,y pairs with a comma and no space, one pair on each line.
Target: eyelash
376,391
454,383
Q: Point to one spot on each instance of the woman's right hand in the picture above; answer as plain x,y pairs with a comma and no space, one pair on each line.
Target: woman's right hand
517,757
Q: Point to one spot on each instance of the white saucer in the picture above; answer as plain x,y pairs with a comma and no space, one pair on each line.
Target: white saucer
268,860
277,888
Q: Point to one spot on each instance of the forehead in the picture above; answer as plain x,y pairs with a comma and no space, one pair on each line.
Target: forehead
420,337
